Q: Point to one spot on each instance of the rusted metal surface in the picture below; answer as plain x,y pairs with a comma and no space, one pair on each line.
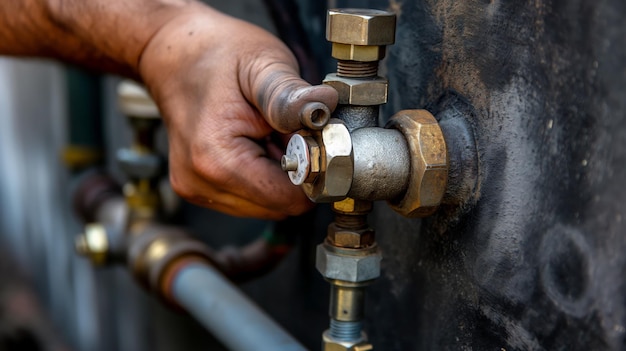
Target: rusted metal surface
534,260
428,175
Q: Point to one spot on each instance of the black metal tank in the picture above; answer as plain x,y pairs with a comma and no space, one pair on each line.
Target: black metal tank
535,259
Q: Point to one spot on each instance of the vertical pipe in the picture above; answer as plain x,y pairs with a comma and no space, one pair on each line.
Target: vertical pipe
235,320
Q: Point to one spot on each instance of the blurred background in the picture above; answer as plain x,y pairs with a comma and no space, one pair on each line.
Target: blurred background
52,299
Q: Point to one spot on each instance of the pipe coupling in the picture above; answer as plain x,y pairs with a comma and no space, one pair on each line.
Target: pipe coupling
154,249
428,166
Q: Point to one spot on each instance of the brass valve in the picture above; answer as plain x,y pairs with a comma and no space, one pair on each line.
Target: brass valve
405,163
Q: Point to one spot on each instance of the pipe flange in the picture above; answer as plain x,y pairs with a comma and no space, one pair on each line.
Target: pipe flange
429,163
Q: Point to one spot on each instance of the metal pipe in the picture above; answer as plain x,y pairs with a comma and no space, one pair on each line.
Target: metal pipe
382,163
235,320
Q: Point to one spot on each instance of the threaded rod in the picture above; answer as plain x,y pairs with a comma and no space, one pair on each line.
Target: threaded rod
356,69
345,331
351,221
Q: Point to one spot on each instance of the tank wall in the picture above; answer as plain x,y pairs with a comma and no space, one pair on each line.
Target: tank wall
535,259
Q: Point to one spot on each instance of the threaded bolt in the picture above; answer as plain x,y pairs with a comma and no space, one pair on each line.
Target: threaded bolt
346,331
356,69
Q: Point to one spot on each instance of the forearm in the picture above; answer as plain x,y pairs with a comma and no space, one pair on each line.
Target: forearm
104,34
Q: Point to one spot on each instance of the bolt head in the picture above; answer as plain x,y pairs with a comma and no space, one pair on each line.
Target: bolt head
361,27
350,268
94,243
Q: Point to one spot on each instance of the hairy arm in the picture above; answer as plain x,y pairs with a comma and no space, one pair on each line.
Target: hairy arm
222,85
103,34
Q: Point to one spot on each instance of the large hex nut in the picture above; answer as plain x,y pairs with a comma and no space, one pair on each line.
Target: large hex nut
364,92
362,53
335,178
350,268
361,27
429,163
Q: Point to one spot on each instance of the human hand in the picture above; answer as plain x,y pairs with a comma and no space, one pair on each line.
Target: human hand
223,86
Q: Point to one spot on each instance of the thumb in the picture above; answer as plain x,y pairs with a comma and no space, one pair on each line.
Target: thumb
287,102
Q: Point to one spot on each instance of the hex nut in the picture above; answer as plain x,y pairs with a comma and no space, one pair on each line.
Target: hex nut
350,268
361,27
361,53
353,239
336,166
429,163
364,92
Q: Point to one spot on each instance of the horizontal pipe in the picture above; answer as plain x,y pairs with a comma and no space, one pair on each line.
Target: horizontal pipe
381,164
230,316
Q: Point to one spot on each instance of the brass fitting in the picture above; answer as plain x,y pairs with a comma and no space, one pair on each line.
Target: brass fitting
429,163
142,198
153,248
352,206
93,244
350,229
359,34
358,38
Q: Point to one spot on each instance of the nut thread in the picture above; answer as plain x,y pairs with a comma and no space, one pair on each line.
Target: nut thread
351,221
355,69
346,331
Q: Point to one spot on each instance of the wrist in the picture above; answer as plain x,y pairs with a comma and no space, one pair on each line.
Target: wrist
109,35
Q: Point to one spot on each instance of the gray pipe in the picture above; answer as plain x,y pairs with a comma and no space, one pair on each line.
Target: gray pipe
235,320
